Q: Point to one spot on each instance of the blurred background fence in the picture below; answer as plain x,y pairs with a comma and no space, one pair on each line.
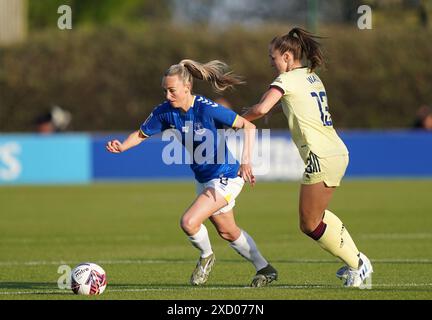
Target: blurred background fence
105,72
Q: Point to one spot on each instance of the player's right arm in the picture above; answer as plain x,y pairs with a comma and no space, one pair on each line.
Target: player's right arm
268,101
134,139
152,125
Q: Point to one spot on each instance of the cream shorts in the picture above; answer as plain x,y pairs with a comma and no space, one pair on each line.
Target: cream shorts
229,188
330,170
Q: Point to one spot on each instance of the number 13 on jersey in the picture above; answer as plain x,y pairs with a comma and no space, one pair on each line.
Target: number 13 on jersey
323,107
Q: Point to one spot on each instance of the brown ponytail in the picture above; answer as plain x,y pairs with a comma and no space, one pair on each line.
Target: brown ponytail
300,43
216,72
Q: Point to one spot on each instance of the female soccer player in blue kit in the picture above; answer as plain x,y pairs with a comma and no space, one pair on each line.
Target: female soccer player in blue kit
304,103
218,184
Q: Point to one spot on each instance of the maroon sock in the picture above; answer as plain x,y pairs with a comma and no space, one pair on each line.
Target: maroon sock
318,232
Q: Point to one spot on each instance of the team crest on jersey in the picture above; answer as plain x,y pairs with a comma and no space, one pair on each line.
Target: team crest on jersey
199,128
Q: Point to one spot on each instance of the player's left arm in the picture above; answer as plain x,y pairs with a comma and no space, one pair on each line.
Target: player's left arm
267,102
249,129
228,117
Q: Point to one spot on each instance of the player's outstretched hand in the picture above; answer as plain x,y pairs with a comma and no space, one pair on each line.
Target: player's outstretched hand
114,146
245,172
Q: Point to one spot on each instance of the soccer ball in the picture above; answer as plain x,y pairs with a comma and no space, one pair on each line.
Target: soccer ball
88,279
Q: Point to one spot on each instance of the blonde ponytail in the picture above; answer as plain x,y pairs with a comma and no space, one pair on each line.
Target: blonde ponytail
216,72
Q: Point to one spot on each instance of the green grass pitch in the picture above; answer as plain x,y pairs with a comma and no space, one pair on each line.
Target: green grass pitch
132,231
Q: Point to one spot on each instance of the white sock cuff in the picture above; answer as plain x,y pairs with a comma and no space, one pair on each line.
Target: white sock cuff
201,241
202,233
247,248
240,240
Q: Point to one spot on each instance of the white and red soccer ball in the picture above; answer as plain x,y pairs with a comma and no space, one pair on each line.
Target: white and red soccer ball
88,279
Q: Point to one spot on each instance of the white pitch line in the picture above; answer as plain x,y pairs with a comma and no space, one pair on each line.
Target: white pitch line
403,285
66,292
300,286
396,236
40,263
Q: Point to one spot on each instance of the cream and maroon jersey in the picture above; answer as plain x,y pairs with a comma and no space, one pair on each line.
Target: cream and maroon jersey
304,103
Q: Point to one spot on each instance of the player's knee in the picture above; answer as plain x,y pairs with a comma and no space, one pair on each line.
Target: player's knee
308,224
307,227
228,236
189,225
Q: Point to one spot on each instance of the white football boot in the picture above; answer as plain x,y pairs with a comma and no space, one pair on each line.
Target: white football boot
342,273
356,277
202,270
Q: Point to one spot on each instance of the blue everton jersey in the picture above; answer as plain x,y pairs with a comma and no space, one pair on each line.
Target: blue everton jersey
200,125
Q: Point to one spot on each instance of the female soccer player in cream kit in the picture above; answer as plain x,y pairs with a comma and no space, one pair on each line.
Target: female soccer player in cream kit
218,184
304,103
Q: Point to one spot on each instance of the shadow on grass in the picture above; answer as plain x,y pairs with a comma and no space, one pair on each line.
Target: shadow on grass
32,288
29,285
